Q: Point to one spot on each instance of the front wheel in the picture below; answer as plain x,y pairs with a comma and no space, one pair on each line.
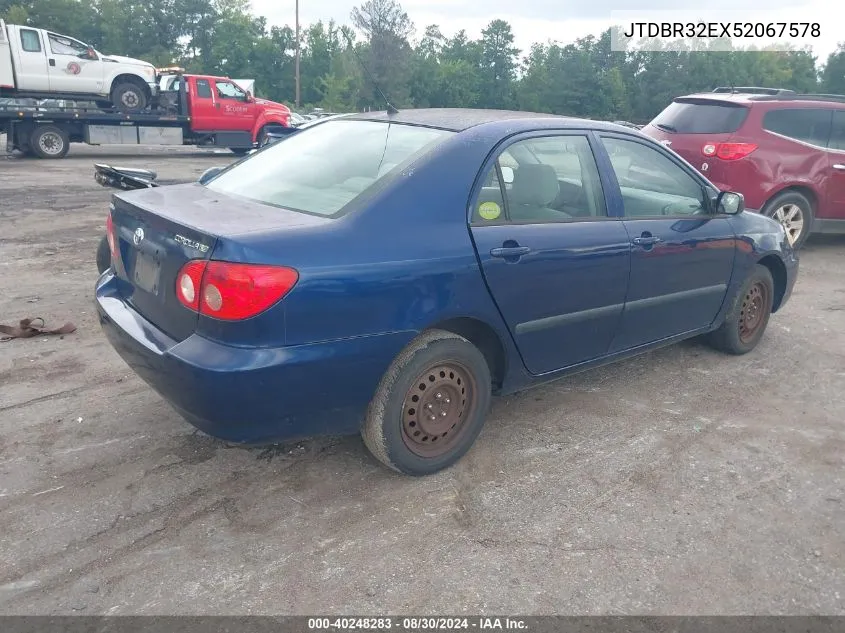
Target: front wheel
748,317
129,97
430,405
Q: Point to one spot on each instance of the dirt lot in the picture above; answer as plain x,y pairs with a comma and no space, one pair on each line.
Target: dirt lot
681,482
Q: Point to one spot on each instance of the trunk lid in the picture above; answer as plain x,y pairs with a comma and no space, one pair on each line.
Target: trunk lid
160,229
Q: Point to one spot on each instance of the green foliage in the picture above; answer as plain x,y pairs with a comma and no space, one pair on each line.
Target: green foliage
584,78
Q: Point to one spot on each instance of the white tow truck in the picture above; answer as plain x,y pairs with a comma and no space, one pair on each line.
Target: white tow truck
40,64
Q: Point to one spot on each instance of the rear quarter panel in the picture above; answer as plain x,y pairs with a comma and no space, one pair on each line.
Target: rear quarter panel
778,163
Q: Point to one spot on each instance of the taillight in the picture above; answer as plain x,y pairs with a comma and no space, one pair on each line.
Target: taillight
230,291
728,151
110,237
189,282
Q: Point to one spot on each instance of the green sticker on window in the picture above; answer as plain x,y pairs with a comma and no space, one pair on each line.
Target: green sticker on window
489,210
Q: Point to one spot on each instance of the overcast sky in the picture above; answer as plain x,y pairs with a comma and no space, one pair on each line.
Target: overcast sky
566,20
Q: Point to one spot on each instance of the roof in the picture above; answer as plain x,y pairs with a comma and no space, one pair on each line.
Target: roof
748,98
460,119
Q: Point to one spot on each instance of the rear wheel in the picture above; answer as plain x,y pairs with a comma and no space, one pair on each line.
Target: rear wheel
747,320
430,405
49,141
129,97
795,214
103,256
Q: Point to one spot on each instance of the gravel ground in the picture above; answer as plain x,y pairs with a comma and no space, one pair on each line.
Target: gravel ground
681,482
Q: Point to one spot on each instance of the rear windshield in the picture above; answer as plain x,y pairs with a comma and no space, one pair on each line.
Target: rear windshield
321,169
684,117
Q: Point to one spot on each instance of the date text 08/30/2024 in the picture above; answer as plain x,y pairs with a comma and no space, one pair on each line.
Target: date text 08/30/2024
417,624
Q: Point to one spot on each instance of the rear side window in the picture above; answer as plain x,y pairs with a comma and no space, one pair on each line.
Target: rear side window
810,125
30,41
710,117
203,89
837,133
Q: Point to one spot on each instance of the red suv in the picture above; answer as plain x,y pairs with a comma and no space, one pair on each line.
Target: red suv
785,152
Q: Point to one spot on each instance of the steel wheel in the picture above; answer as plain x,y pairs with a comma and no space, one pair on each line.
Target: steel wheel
436,409
753,312
130,99
51,143
791,218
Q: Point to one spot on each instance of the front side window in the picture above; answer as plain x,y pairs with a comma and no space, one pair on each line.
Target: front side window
324,167
30,42
810,125
61,45
651,183
538,180
228,90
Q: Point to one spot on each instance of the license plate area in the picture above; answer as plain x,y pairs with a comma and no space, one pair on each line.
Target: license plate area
146,272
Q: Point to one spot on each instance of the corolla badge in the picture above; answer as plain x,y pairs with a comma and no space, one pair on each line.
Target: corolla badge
138,236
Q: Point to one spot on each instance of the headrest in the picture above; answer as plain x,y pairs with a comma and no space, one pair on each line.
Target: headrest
534,184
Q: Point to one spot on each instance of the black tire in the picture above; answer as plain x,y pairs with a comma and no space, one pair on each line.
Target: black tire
788,207
239,151
129,96
262,137
49,141
460,392
736,336
103,256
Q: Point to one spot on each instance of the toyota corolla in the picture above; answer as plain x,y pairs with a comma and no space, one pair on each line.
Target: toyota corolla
388,273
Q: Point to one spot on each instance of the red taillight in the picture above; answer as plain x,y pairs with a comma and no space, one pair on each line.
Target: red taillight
189,283
230,291
728,151
110,235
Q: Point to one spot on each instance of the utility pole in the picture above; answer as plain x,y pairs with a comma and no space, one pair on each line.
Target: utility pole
297,54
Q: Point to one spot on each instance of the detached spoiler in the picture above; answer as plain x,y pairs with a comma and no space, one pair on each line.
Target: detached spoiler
126,178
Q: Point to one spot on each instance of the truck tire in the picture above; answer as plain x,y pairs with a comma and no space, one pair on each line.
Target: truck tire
49,141
239,151
129,96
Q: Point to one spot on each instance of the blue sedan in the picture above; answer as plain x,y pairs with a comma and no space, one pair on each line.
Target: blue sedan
388,273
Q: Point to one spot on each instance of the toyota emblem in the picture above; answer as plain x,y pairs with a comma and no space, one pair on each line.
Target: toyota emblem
138,236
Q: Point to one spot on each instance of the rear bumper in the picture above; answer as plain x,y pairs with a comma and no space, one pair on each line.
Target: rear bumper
251,395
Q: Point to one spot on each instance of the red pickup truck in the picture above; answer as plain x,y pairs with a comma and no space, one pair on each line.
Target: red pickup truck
200,110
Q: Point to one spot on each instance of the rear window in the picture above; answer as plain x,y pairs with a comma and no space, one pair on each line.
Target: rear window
810,125
684,117
323,168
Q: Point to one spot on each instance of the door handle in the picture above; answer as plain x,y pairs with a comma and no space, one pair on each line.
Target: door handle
217,105
52,62
646,240
839,166
509,251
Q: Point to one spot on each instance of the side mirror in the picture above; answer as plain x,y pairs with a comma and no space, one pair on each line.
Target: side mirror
208,174
507,175
730,203
249,97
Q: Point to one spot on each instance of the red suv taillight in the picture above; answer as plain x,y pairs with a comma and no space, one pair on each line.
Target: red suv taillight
728,151
232,292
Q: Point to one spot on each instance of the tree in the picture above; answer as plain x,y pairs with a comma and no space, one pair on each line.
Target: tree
833,75
498,59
